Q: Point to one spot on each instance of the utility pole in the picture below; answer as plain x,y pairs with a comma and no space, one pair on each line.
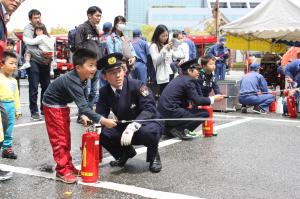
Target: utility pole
217,5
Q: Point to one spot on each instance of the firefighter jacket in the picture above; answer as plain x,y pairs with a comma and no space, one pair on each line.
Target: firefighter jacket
293,71
253,83
178,95
220,51
135,101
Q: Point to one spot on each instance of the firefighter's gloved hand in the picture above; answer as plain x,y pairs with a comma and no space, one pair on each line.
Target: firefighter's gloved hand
128,133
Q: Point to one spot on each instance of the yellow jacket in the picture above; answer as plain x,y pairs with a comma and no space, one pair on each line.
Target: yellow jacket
9,91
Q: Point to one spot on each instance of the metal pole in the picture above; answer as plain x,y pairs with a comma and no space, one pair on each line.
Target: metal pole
217,18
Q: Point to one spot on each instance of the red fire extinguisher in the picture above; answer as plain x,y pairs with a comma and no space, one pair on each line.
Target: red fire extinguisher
291,104
208,126
91,155
272,107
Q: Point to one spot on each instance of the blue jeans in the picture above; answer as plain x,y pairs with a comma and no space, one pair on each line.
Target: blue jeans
220,70
37,74
264,101
92,96
102,81
10,110
140,72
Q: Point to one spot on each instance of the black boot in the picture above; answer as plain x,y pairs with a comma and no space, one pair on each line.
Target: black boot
121,161
155,166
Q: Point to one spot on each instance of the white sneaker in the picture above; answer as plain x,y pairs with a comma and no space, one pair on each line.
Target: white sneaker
5,175
25,66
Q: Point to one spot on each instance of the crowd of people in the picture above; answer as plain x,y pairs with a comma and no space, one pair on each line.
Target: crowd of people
120,67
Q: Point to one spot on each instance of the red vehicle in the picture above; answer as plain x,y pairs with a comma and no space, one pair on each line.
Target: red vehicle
203,43
61,57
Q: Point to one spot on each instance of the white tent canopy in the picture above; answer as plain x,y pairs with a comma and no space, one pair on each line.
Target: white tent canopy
272,19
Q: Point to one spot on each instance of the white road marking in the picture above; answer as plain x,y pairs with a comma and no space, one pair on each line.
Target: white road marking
142,150
27,104
259,118
216,115
149,193
27,171
35,123
233,123
29,124
121,187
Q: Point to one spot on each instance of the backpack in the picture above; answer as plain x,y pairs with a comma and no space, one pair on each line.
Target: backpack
151,70
151,76
71,39
103,48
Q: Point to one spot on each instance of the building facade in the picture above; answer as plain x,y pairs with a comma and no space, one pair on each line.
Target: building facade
178,14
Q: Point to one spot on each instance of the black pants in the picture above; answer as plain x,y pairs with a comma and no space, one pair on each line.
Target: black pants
148,135
190,125
163,86
3,117
37,74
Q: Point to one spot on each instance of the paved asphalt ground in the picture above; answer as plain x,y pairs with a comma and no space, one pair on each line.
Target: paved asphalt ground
253,156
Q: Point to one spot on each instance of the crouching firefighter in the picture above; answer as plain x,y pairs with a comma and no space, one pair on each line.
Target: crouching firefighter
128,99
250,86
178,95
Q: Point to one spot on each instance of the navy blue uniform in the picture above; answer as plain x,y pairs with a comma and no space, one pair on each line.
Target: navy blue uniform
250,85
135,103
220,51
207,83
293,70
175,99
142,51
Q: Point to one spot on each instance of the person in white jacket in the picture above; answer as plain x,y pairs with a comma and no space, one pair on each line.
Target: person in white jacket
161,54
41,38
180,52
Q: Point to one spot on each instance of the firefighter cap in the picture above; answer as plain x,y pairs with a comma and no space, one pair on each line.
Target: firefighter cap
190,64
110,61
254,66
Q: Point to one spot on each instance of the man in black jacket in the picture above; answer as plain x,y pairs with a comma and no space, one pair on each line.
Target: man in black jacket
87,36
